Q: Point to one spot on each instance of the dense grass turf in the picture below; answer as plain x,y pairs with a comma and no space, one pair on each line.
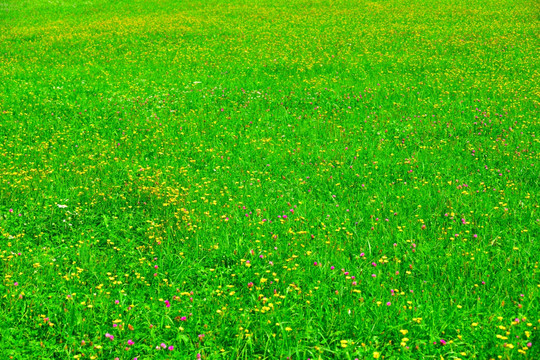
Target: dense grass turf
269,179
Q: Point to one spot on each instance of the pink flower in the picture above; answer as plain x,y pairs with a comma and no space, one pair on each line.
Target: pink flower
443,342
117,302
130,342
167,303
163,345
109,336
388,303
16,283
171,348
361,254
10,210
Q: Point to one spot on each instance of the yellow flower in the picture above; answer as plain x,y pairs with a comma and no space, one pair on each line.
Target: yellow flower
404,332
376,355
288,328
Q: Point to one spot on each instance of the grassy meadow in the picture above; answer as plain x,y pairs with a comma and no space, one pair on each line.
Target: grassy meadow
285,179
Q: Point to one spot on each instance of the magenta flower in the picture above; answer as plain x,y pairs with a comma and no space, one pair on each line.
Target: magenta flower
388,303
117,302
167,303
443,342
130,342
16,283
171,348
109,336
163,345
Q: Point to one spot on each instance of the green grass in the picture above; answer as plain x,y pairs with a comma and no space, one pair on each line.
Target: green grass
295,179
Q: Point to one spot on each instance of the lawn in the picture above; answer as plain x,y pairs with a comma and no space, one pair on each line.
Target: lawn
285,179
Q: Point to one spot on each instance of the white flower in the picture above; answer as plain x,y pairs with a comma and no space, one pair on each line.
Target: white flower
62,206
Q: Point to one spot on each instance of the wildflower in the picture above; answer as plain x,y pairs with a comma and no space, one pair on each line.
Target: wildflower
109,336
171,348
443,342
130,342
388,303
117,302
163,345
167,303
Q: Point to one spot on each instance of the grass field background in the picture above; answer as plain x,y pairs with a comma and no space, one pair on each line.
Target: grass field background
269,179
